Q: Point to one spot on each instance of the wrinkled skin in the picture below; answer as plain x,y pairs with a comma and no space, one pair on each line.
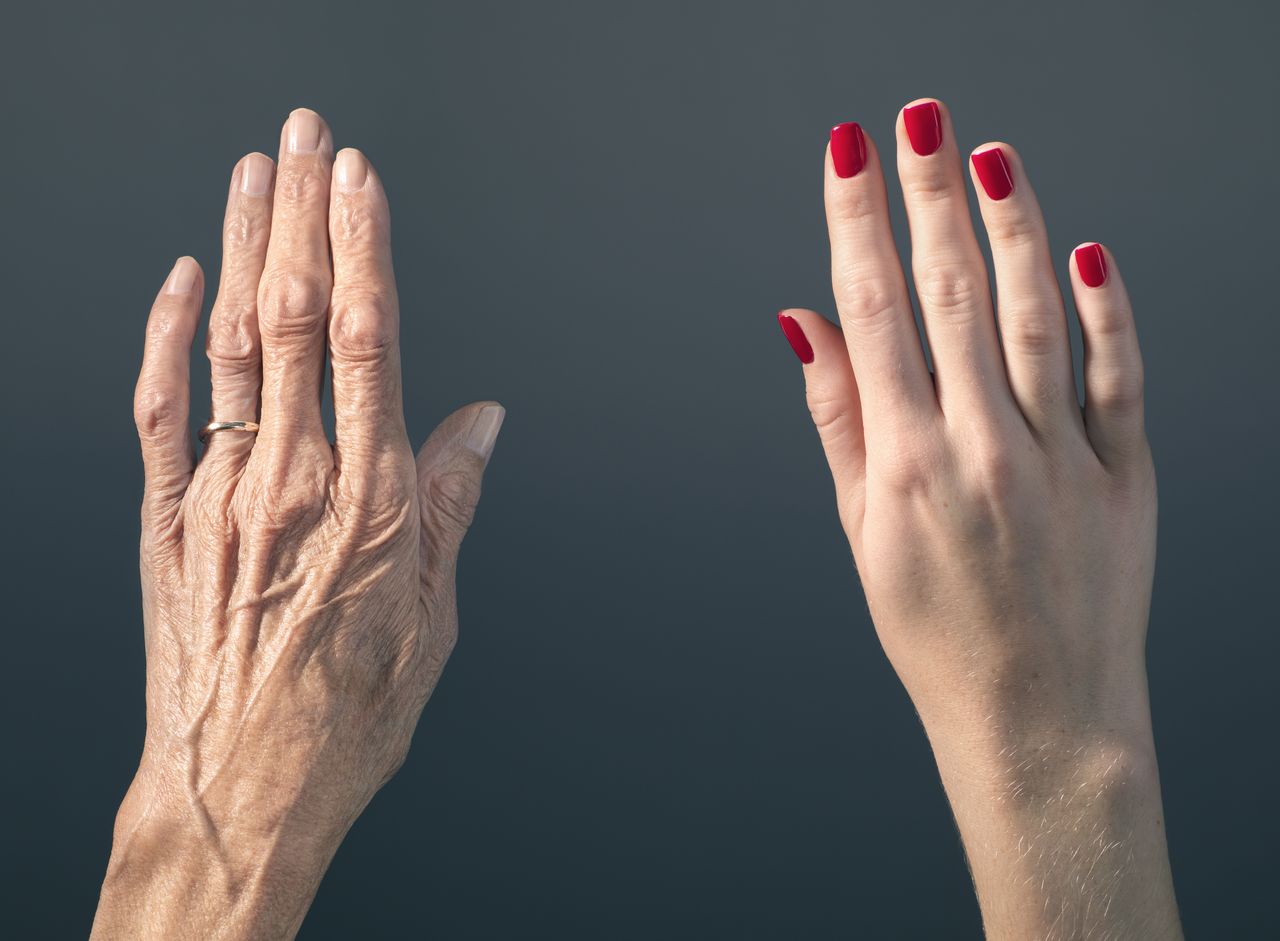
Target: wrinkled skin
298,595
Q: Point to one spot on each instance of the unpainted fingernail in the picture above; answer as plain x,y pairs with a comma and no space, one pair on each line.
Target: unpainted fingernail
350,170
484,431
303,135
255,175
183,276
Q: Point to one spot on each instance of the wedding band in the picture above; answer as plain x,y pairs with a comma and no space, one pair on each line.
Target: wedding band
250,426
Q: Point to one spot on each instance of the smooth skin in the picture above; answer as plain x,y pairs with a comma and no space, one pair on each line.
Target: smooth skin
298,594
1005,538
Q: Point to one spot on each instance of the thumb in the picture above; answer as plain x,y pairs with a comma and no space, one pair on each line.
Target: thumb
450,467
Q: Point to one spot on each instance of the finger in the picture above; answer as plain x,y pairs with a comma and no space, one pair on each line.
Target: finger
450,466
832,393
162,399
870,289
1033,321
293,297
364,319
1112,360
950,276
233,346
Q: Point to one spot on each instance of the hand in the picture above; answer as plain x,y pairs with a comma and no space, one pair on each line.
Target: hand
1005,540
298,596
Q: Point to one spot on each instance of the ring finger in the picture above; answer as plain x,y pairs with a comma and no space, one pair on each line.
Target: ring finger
234,347
1033,321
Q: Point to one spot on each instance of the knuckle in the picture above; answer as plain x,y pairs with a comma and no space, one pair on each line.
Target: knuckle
210,508
996,471
363,326
279,506
232,340
157,411
1015,230
164,322
1117,390
868,302
453,496
904,476
906,467
163,529
825,409
950,289
926,188
353,219
854,208
285,492
244,226
292,303
301,182
1031,330
1109,323
379,484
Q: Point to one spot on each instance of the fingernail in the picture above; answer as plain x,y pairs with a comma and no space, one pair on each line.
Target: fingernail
924,127
993,172
183,276
255,175
1091,262
795,336
848,149
350,170
303,135
484,431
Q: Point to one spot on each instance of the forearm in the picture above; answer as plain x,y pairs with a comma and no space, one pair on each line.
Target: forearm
180,875
1063,829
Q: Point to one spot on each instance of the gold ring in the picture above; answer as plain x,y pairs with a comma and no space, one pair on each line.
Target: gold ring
250,426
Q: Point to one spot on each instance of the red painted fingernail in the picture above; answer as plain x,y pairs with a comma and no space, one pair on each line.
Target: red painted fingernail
795,336
924,127
993,172
1091,262
848,149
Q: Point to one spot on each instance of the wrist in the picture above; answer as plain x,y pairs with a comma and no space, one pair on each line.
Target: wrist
1010,773
1032,745
1000,699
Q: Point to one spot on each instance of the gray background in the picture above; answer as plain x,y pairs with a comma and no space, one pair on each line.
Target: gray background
668,714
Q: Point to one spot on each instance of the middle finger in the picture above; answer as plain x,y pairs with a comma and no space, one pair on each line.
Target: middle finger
950,276
293,298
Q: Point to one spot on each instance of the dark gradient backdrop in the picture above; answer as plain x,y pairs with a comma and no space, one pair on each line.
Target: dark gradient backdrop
668,715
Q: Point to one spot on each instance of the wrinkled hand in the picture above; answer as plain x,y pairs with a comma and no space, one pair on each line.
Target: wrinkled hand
298,595
1005,540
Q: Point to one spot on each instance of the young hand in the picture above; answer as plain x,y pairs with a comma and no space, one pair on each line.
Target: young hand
1004,537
